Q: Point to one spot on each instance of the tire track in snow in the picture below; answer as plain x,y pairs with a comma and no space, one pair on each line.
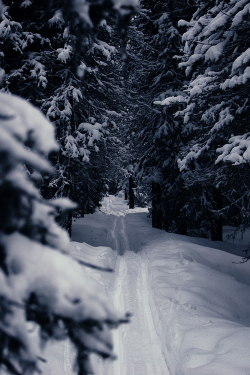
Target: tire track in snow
68,358
137,345
120,365
159,365
117,367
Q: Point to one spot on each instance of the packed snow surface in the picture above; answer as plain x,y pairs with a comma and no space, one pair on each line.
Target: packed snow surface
190,297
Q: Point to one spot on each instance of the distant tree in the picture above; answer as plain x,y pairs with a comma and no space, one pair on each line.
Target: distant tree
154,44
131,193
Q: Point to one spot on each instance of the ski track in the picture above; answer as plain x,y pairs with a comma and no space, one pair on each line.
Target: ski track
68,358
136,344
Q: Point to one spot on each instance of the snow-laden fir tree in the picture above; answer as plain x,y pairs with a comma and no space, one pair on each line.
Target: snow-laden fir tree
216,62
76,83
154,43
40,282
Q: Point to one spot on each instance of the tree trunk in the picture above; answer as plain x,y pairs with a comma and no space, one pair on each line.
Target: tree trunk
182,226
69,218
82,210
156,206
131,193
217,221
125,194
181,220
66,222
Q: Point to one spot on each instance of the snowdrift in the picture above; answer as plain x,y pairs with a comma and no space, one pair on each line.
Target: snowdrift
195,306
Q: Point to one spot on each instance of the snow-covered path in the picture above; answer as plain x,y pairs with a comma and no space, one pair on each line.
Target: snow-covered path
137,344
189,297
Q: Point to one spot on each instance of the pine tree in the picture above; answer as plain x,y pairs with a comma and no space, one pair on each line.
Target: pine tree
76,84
40,282
216,110
153,50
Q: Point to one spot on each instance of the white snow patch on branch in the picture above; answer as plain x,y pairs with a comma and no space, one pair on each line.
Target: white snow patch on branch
240,15
58,282
215,52
24,121
172,100
105,49
94,131
225,118
57,19
63,203
195,91
237,80
243,59
64,53
237,151
39,72
26,3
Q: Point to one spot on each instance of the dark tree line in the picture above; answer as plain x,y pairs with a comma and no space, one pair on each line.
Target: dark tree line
188,75
177,109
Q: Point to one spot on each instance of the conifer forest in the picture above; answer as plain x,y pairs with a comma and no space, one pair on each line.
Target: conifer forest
148,99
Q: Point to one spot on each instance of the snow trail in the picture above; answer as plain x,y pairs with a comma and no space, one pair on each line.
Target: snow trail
190,298
136,344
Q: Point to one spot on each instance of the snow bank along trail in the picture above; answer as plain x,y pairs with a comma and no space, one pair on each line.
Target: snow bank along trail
137,345
190,296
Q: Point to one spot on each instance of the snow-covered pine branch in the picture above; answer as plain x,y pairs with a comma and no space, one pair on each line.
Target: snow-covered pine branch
216,59
40,282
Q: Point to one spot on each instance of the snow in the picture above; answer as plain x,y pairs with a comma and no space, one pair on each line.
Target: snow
106,26
238,18
183,23
26,3
64,53
172,100
125,7
237,80
215,52
192,60
208,37
190,297
225,118
65,289
195,28
58,282
113,113
76,94
63,203
105,49
237,150
82,68
23,120
196,90
241,60
39,73
216,23
190,107
57,19
94,131
194,153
